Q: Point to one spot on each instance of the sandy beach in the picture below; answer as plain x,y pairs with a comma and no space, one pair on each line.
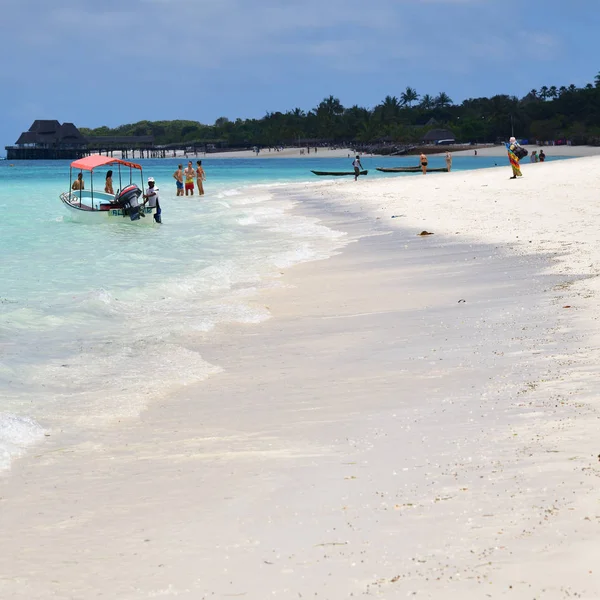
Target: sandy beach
500,151
419,417
570,151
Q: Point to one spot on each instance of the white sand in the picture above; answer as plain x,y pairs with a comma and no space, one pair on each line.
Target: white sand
265,153
571,151
377,437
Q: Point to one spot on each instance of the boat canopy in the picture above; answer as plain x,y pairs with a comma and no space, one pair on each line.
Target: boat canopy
89,163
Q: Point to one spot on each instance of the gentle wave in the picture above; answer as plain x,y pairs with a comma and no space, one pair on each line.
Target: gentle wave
111,316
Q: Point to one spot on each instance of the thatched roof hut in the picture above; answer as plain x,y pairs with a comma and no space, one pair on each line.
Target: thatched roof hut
436,135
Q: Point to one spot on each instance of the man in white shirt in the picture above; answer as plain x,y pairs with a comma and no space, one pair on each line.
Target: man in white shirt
357,167
151,198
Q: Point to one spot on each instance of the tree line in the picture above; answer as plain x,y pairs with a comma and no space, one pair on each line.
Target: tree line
550,113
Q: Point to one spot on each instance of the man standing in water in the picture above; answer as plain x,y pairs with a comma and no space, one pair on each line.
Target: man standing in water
189,179
151,198
178,176
200,177
357,167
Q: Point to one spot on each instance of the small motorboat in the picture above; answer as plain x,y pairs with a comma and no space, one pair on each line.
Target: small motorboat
410,170
91,205
338,173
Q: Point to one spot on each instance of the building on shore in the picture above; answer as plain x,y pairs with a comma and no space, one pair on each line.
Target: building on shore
439,136
48,139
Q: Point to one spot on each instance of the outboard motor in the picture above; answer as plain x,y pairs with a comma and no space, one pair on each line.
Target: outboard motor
127,199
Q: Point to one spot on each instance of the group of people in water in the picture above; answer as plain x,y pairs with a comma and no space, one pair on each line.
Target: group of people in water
190,174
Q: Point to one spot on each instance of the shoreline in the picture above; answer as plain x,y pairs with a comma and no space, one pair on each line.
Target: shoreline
324,153
337,452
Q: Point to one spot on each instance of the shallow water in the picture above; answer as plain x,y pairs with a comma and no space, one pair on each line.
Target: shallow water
96,320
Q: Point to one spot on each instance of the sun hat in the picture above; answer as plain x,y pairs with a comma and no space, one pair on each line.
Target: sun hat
150,179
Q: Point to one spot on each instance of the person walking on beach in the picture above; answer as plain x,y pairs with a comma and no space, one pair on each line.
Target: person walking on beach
178,176
448,161
200,177
542,156
189,179
357,167
108,187
424,163
513,151
151,198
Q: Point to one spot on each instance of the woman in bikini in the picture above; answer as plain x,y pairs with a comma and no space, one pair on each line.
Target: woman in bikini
423,163
200,177
108,188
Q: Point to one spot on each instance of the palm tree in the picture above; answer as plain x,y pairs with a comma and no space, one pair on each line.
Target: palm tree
298,113
329,112
553,92
572,88
427,102
390,108
562,90
442,100
544,92
330,107
409,95
597,80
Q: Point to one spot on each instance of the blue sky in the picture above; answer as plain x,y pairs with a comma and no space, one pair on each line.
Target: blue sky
111,62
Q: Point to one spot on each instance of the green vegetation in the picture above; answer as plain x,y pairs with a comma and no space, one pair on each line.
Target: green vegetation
550,113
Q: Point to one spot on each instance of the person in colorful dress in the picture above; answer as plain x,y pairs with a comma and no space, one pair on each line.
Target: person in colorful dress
513,158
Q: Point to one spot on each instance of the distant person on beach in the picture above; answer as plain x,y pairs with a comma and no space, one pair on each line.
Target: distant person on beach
200,177
78,183
542,156
513,149
357,167
424,163
534,156
475,152
151,198
178,176
448,161
189,179
108,187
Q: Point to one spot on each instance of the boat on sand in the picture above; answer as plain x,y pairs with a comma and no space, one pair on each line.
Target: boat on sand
338,173
92,205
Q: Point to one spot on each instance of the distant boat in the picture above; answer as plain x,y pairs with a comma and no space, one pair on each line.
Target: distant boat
337,173
410,170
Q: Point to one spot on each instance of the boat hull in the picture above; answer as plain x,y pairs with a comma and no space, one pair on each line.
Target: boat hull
84,209
338,173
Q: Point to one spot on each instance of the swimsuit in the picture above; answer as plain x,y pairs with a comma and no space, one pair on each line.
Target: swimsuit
179,185
189,183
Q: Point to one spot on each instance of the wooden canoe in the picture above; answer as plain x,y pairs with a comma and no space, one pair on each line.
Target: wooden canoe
410,170
337,173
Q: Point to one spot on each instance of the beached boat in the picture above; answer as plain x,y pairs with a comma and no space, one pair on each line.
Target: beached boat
337,173
92,205
410,170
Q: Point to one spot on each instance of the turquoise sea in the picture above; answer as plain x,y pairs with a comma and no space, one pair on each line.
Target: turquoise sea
97,320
